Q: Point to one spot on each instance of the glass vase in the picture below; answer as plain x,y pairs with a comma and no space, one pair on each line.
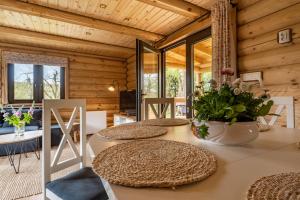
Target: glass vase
20,129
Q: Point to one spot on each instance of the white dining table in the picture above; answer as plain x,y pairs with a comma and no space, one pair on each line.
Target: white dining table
274,151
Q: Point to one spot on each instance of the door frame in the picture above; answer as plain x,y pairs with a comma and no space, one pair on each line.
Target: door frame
140,45
189,42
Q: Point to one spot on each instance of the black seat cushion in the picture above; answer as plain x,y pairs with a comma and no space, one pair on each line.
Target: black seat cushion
83,184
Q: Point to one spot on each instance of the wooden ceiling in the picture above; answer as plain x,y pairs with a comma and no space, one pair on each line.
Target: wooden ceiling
99,27
175,58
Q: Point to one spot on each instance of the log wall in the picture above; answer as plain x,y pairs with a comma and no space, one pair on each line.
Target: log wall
258,50
89,78
131,73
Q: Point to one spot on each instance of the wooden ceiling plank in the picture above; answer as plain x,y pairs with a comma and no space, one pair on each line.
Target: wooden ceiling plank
61,39
50,13
199,24
178,6
202,53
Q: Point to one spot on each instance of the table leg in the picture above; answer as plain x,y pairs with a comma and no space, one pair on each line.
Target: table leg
8,153
37,148
11,152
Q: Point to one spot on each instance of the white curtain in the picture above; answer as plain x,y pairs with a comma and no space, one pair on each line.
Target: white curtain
223,39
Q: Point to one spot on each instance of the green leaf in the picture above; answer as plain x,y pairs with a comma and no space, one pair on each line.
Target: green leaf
265,108
203,131
233,120
240,108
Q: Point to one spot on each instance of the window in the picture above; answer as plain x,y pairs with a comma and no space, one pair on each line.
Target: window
28,82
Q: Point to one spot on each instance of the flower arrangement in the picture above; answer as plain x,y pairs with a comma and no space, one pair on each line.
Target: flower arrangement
18,119
231,102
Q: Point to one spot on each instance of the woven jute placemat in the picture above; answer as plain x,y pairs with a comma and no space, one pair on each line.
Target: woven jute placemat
166,122
154,163
285,186
132,131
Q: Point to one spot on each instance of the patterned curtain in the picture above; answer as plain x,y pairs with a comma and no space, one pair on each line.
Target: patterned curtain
38,59
223,39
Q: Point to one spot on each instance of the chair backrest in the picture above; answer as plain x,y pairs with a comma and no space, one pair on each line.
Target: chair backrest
166,102
282,103
53,106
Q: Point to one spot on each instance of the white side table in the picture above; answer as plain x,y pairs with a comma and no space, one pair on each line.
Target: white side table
18,142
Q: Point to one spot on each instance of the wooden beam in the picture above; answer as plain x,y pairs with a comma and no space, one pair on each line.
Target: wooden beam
178,56
200,48
50,13
178,6
152,68
204,65
198,25
55,52
7,32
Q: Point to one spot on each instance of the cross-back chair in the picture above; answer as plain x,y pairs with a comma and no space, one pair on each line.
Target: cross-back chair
166,102
282,103
78,185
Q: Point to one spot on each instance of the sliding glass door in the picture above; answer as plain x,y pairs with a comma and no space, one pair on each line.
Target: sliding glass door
175,78
186,64
174,71
148,75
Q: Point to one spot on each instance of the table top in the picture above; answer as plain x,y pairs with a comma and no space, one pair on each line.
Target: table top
274,151
12,138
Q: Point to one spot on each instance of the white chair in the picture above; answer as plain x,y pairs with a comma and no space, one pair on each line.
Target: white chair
166,102
282,103
81,184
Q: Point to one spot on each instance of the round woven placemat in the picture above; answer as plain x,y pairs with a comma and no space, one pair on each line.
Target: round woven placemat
154,163
285,186
132,131
165,122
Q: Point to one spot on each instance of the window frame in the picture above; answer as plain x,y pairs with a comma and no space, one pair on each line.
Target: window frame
38,86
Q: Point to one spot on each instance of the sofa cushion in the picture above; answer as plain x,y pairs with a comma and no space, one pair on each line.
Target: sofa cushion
1,119
36,117
56,134
6,130
82,184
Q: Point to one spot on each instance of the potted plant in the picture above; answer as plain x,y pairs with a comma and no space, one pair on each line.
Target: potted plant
228,114
18,118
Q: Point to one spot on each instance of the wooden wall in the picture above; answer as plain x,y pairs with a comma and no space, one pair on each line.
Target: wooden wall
258,50
89,78
131,73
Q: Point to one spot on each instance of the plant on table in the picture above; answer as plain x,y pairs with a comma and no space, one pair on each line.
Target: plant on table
231,102
17,118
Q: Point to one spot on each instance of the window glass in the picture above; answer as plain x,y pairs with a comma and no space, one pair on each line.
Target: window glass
51,82
30,82
23,81
175,83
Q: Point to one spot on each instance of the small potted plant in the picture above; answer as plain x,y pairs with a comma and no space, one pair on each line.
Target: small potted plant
18,118
228,114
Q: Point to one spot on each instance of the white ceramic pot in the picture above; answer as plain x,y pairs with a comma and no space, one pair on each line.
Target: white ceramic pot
238,133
